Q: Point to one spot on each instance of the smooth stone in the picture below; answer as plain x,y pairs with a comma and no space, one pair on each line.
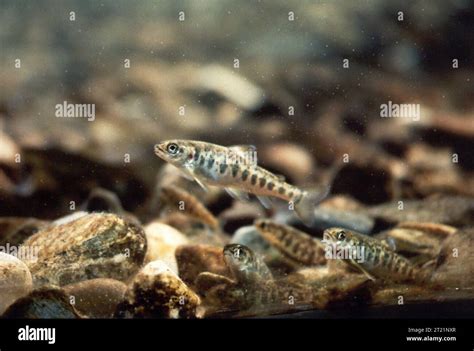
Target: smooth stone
162,241
194,259
15,280
96,298
456,261
326,218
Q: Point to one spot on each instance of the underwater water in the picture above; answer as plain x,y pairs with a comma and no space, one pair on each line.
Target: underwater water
229,159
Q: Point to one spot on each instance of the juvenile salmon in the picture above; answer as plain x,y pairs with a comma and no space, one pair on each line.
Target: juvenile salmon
235,168
378,260
246,266
293,243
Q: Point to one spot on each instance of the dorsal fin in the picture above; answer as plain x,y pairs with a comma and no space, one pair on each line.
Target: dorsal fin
280,177
248,152
243,148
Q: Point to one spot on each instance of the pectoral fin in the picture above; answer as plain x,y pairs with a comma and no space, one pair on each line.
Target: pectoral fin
201,184
188,173
355,264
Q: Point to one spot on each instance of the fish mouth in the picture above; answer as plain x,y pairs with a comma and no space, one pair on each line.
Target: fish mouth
229,259
160,149
228,255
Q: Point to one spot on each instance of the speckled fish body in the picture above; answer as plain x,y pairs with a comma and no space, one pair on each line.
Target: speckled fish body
281,294
292,242
245,265
255,283
235,169
378,261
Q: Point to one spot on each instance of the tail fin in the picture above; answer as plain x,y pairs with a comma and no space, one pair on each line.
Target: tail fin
305,208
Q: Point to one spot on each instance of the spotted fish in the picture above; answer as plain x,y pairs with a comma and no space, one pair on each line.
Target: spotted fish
235,169
378,260
246,266
252,286
293,243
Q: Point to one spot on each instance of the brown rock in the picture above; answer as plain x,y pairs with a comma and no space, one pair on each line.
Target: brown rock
409,293
7,186
456,261
96,298
8,150
194,259
157,292
220,79
341,202
43,303
289,159
14,230
92,246
417,240
196,233
178,199
451,210
453,182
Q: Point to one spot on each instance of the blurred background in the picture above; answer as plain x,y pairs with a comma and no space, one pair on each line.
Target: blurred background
268,73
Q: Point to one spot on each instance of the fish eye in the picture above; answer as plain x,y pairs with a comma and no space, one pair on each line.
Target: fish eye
172,148
237,253
341,235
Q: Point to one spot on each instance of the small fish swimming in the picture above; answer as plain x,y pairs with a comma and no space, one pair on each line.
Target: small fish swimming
293,243
252,286
235,168
378,260
246,266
